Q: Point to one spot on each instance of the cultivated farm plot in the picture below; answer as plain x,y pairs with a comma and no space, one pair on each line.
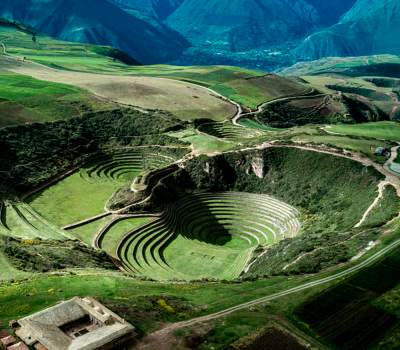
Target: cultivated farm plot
247,87
344,315
207,235
186,101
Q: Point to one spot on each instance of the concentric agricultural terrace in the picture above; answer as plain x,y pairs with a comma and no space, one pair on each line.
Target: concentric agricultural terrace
123,166
207,235
227,131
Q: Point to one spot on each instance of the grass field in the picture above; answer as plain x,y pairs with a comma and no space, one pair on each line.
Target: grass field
380,130
72,199
341,65
24,100
88,232
85,193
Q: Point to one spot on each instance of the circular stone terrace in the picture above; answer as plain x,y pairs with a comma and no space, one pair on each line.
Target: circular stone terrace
209,235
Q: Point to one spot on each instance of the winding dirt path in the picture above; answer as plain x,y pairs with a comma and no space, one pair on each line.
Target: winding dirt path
381,187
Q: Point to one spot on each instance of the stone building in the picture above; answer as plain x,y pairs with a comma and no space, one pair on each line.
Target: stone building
76,324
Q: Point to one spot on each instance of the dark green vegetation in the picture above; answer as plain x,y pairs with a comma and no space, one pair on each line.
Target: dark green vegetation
343,315
41,256
31,154
269,337
145,311
278,171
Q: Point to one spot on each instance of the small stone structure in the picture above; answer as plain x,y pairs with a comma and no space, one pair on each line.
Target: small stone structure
76,324
382,151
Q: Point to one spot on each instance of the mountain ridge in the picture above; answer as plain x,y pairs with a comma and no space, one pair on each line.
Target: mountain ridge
367,29
98,22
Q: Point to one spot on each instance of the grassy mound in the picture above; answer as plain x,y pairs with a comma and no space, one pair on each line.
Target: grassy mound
207,235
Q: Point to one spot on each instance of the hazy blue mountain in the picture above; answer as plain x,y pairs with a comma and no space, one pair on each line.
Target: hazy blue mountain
98,22
363,8
371,27
160,9
239,25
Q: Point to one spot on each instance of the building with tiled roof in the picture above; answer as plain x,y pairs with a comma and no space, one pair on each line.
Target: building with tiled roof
18,346
8,340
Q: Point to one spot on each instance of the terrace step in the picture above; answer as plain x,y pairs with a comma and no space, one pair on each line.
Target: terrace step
206,219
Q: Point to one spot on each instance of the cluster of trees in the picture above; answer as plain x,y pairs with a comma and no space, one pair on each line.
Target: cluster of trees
54,255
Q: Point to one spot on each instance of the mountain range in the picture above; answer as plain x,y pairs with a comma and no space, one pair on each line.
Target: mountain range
163,31
241,25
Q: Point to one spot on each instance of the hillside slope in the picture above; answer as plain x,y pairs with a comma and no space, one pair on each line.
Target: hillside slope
370,28
160,9
247,24
98,22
